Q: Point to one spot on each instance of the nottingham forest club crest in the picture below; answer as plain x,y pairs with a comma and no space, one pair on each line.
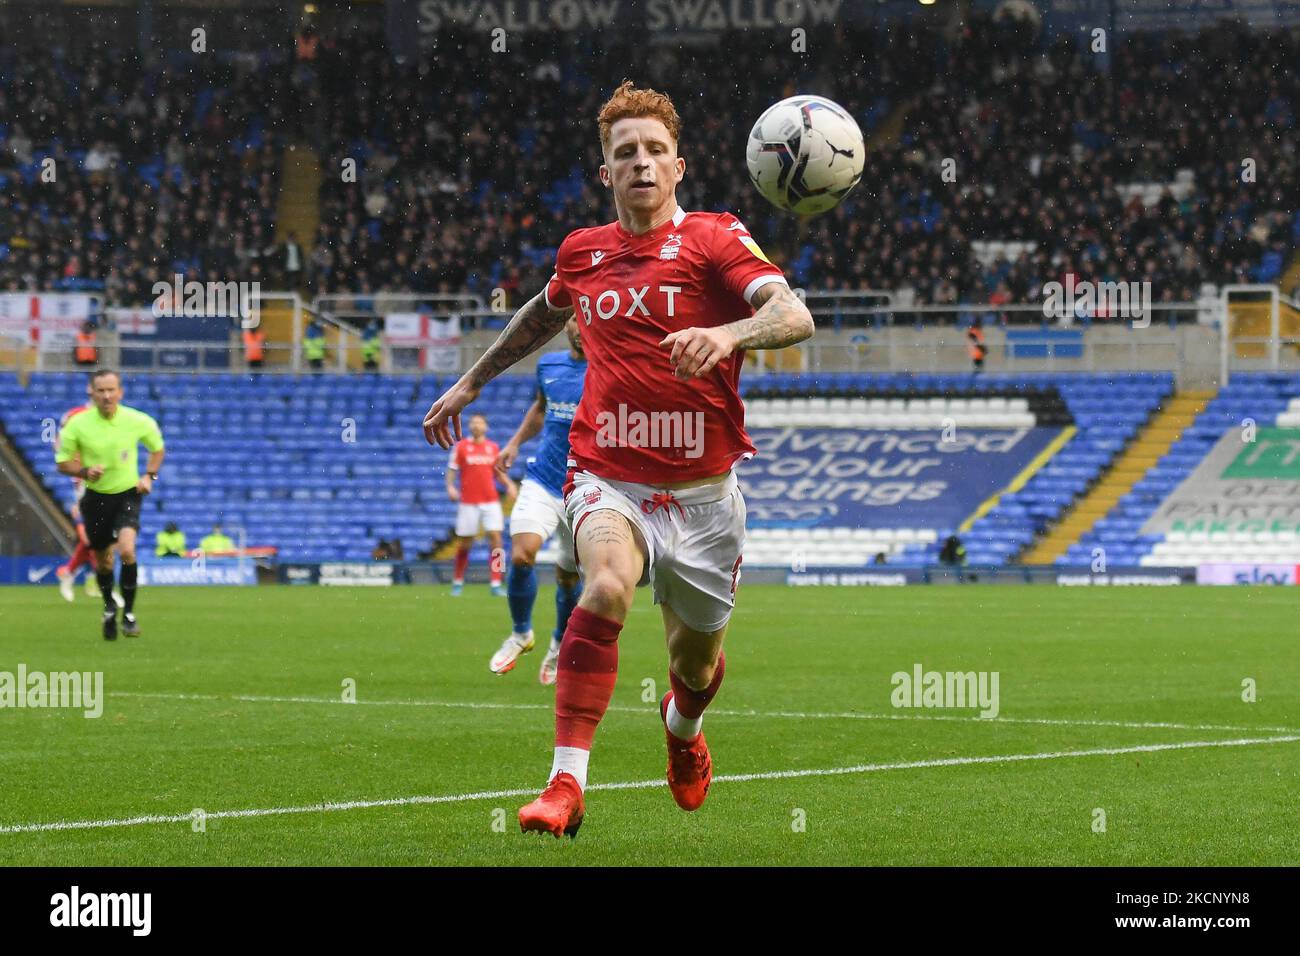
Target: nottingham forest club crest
672,245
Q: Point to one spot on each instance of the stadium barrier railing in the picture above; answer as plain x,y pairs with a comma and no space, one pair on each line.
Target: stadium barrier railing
1245,328
897,350
1260,330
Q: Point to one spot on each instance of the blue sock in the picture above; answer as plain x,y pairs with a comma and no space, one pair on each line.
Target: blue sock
566,599
521,593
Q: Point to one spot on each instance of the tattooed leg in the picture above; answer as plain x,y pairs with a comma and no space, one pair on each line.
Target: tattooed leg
613,558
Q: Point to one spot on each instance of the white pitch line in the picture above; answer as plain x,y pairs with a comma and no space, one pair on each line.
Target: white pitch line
1060,721
636,785
266,699
719,712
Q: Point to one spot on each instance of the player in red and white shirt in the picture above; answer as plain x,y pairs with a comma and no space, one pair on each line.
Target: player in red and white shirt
474,461
667,301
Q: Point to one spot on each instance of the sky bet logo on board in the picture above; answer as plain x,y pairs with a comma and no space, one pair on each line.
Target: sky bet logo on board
1263,576
1270,574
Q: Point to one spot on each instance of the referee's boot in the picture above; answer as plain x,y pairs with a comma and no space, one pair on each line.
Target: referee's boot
130,626
110,624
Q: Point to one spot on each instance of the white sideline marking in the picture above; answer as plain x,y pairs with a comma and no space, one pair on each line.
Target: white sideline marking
719,712
636,785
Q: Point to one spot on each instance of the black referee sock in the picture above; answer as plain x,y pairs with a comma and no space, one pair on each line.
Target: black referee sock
105,579
128,587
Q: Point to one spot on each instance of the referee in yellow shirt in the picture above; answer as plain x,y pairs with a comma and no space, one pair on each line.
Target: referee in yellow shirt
99,447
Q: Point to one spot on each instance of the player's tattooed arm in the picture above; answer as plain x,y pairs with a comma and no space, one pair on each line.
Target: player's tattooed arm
535,324
780,319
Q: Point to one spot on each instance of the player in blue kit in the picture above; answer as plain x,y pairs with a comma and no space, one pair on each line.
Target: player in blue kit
539,510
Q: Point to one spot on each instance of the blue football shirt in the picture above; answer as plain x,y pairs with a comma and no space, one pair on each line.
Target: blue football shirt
559,379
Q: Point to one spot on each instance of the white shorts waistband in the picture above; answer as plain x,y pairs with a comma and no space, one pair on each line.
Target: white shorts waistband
697,495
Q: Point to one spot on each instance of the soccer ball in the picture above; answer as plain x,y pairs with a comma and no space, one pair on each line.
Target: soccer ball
804,154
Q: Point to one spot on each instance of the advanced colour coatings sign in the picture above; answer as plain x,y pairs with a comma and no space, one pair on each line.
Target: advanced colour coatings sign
872,478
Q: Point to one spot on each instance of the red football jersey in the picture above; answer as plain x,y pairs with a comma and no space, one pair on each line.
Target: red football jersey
637,421
474,460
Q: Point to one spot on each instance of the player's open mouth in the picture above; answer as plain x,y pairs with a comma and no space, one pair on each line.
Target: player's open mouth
643,185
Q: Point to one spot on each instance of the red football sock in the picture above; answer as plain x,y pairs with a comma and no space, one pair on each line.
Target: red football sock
79,557
584,683
691,703
462,562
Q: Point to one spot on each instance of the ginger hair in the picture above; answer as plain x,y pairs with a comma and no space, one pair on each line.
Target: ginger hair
628,102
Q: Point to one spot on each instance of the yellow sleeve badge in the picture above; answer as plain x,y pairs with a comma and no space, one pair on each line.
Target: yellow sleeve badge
753,247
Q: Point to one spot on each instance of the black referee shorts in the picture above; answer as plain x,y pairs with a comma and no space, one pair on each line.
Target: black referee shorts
106,515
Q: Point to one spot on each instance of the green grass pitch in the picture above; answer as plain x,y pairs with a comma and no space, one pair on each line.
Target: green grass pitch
233,701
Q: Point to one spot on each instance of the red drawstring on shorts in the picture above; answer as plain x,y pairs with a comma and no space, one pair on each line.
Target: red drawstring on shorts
663,499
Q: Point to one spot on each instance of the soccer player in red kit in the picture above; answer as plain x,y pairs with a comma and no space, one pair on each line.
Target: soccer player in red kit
474,460
667,302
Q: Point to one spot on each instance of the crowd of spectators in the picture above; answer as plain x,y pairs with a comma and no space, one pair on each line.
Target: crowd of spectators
116,174
1043,143
516,144
470,167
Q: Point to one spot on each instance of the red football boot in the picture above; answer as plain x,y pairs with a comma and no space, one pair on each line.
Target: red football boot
689,766
557,811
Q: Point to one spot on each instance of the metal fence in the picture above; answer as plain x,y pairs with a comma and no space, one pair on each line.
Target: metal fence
859,331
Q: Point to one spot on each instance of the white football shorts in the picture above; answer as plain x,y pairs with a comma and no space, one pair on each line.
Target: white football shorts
539,512
471,519
693,539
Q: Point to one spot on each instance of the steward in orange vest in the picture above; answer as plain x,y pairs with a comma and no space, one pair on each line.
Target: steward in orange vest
85,353
975,346
254,340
